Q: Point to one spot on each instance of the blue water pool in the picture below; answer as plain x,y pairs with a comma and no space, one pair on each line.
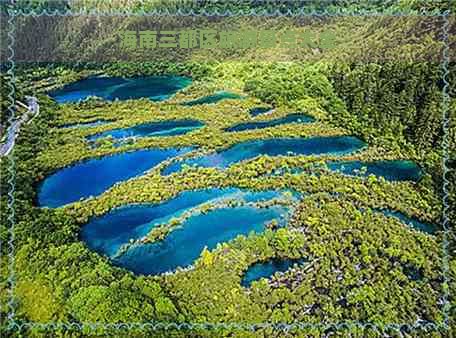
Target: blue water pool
93,177
156,88
162,128
292,118
398,170
268,269
106,234
222,95
272,147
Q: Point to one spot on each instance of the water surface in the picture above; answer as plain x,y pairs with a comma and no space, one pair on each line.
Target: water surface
397,170
213,98
106,234
268,269
182,246
94,176
156,88
161,128
272,147
292,118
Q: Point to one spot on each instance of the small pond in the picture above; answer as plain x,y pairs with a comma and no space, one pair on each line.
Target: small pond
268,269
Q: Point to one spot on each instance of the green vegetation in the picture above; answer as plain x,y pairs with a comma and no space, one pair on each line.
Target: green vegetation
268,6
5,109
346,248
363,266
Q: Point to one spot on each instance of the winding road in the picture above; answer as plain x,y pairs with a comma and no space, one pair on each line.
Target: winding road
33,110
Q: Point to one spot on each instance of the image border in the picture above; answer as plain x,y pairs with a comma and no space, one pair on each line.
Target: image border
15,325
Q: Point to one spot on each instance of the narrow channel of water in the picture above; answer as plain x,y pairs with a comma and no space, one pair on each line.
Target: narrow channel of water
395,170
84,124
222,95
292,118
161,128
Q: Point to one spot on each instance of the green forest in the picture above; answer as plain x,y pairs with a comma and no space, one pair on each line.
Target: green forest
366,274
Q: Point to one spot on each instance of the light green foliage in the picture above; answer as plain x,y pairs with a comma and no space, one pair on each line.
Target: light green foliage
110,305
360,264
281,83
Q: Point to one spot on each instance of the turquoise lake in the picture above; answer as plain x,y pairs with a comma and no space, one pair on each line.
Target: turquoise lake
155,88
94,176
267,269
291,118
273,147
180,248
161,128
